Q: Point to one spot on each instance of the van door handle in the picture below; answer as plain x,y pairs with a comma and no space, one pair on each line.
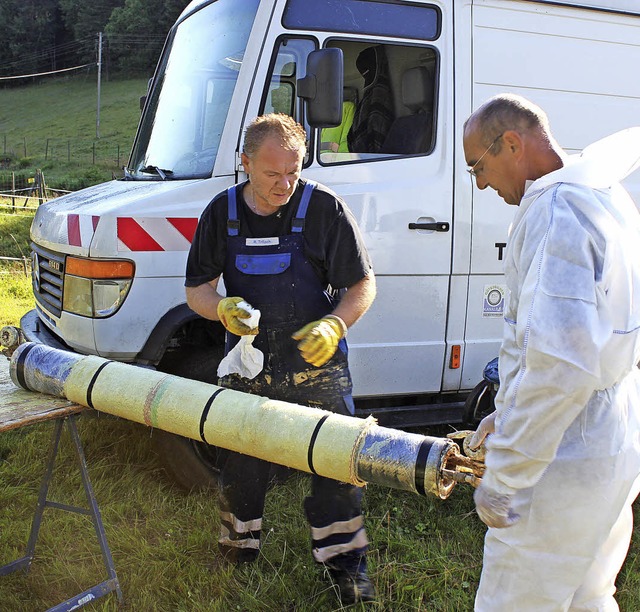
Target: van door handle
438,226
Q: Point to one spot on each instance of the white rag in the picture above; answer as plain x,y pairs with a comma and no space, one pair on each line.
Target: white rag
244,358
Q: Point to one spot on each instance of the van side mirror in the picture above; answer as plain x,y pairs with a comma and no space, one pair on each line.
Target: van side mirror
321,88
143,99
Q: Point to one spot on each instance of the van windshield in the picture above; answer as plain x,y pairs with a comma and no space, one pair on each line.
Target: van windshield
180,131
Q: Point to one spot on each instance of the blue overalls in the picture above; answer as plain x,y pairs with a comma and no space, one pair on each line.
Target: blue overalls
274,276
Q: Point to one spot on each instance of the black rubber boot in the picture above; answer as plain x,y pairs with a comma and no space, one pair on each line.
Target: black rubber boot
353,588
350,575
238,556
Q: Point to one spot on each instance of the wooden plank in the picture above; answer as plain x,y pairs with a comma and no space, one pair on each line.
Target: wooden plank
19,407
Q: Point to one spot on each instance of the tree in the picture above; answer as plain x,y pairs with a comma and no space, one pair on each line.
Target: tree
85,19
136,32
29,34
45,35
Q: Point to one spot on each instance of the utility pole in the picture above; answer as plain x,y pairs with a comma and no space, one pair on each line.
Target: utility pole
99,76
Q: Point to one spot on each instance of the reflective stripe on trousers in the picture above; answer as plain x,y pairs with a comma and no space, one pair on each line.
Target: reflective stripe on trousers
237,533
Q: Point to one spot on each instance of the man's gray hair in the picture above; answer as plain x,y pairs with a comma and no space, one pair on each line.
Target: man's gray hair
507,112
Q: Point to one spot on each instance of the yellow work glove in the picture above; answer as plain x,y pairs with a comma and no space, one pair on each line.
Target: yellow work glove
319,339
231,315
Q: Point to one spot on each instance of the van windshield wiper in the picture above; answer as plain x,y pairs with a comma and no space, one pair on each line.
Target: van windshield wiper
159,171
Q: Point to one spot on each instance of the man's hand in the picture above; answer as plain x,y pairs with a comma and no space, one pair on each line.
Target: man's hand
494,509
487,426
231,313
319,339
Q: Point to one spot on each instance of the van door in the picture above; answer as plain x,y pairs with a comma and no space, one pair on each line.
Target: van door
392,161
583,89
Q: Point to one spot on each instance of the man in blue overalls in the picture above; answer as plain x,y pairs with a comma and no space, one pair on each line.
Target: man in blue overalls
286,246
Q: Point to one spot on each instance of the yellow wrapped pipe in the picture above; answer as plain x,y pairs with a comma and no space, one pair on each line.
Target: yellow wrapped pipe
344,448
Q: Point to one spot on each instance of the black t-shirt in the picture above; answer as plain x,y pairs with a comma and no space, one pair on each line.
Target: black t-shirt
332,240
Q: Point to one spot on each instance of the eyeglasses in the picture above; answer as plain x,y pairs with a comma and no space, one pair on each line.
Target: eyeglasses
472,170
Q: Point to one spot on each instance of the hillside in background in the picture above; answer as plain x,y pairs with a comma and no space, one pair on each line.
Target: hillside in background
52,126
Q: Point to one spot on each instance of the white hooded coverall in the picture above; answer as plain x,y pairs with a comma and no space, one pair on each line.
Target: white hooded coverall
567,439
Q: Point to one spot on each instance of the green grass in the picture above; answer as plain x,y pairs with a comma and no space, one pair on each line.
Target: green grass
163,541
15,279
52,126
425,553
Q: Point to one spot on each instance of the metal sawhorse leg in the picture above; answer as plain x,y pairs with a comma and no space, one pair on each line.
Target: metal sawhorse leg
103,588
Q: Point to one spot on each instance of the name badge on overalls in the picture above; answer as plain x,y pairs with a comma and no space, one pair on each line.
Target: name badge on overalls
262,241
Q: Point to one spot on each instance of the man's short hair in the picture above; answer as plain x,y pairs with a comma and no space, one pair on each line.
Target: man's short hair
507,112
282,126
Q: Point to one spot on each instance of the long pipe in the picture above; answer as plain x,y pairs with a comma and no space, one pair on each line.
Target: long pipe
339,447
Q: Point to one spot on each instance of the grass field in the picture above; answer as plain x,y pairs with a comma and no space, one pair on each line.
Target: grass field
425,554
52,127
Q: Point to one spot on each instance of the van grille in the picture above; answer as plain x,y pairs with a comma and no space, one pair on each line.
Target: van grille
47,275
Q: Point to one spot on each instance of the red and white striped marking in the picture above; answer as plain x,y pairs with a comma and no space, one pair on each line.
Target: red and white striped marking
80,229
156,234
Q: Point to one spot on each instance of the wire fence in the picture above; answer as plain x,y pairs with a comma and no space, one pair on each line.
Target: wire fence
23,203
80,151
25,193
14,205
24,270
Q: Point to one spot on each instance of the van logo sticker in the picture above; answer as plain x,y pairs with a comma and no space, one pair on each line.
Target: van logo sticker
156,233
493,302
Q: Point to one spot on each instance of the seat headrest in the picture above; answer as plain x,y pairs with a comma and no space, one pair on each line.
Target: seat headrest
417,89
370,63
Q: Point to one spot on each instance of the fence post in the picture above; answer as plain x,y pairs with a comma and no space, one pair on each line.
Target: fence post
43,188
13,191
94,153
24,140
46,150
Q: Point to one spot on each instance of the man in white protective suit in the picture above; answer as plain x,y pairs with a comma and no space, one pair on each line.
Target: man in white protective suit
563,454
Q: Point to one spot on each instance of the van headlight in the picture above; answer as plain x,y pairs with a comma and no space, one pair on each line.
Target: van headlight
96,287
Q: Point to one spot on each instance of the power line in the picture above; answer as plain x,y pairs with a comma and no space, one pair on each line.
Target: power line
24,76
56,50
134,36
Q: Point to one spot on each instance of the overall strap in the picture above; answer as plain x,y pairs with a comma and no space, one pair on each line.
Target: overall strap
297,225
233,224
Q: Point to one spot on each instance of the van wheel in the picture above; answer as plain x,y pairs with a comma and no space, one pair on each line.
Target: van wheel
191,464
479,404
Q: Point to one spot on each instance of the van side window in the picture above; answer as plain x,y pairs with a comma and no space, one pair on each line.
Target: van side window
288,65
389,103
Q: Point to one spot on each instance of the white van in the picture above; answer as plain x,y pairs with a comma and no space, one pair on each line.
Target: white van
400,77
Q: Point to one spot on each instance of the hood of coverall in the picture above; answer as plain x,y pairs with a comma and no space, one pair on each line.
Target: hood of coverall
600,165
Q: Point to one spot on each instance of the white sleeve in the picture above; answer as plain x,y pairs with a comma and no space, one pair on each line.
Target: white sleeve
552,346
